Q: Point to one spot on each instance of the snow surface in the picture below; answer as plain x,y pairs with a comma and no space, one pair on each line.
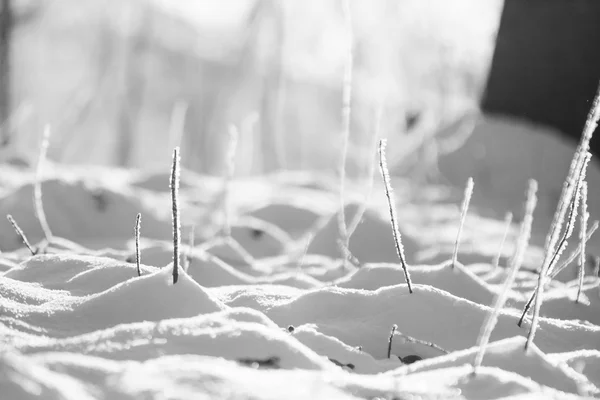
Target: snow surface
272,312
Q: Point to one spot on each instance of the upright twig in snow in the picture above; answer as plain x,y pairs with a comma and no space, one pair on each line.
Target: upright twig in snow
463,216
550,259
346,120
582,231
558,270
575,253
392,207
390,339
175,209
507,222
20,233
138,255
547,268
516,261
567,198
37,187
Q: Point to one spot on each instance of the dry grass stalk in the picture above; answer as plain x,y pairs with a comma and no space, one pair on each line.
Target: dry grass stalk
392,208
575,253
582,231
390,340
37,187
175,211
138,254
463,216
549,263
559,269
346,120
21,234
548,267
516,262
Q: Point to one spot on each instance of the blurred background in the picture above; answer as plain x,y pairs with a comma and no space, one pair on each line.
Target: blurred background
123,81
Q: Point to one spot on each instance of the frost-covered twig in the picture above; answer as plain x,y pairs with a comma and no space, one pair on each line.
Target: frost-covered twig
21,234
549,263
37,187
392,207
138,255
346,118
175,210
463,215
547,268
559,269
390,339
516,261
582,231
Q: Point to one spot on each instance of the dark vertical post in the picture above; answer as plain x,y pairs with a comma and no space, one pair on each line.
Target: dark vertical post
546,64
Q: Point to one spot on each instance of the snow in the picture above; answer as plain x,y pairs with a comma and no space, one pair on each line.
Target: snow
272,312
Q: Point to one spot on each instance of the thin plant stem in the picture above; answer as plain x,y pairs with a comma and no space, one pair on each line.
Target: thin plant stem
392,208
138,255
346,121
463,216
21,234
516,262
582,230
390,339
175,210
37,187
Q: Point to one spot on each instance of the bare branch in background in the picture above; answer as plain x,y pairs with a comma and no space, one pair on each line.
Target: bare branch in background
6,24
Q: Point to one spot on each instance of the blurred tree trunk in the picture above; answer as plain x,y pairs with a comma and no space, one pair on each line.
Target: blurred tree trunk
6,22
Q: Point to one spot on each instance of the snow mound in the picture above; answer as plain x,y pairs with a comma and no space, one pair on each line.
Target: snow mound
586,362
239,335
78,210
459,281
364,318
78,274
151,297
21,379
509,355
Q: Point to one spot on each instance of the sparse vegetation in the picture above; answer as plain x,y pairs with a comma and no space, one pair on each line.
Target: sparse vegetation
37,187
463,215
21,234
138,256
516,261
392,208
175,215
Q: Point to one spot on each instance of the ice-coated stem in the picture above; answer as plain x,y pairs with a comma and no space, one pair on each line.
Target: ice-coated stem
390,339
20,233
175,209
138,255
463,216
392,208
